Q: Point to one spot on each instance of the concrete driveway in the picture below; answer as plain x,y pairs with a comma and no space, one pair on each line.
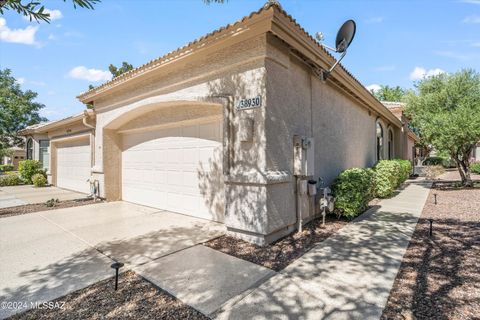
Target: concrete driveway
28,194
48,254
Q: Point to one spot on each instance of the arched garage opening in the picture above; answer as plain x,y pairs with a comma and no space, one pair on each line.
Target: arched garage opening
168,156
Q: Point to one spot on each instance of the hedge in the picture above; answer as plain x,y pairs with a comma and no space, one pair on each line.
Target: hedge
39,180
386,178
475,167
353,189
29,168
6,167
10,180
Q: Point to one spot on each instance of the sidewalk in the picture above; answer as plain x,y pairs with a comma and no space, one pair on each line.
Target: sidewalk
348,276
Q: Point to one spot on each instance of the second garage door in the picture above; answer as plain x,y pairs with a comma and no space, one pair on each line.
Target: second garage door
176,168
74,165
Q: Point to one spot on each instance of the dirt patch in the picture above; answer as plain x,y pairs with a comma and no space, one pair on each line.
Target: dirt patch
439,277
29,208
136,298
280,254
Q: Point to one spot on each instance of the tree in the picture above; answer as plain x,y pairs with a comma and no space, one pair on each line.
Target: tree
35,10
17,110
387,93
446,110
118,71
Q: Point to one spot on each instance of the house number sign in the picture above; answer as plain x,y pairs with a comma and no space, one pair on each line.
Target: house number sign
249,103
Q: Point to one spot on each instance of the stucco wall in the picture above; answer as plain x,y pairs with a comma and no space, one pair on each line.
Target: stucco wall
237,71
302,104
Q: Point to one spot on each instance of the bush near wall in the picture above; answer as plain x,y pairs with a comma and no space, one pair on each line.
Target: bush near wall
28,168
387,177
475,167
405,169
6,167
10,180
39,180
353,189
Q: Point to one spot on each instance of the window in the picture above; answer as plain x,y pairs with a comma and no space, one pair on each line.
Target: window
44,153
30,149
390,144
379,131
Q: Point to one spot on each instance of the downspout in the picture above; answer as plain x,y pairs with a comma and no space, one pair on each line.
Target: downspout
95,184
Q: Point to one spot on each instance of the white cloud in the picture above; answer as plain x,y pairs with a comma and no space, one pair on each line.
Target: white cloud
95,75
54,15
25,36
419,73
21,80
472,19
373,87
374,20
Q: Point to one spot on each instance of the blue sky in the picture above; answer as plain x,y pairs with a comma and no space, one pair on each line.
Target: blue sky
396,42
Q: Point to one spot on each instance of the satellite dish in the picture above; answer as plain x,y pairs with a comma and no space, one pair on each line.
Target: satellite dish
345,35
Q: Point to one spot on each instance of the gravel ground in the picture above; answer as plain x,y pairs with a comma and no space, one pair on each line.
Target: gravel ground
439,277
280,254
29,208
136,298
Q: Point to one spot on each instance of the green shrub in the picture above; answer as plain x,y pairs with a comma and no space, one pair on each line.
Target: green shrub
353,189
475,167
6,167
433,161
39,180
28,168
387,177
405,169
10,180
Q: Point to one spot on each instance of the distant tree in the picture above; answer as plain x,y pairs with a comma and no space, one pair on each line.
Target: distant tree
35,10
387,93
446,110
122,69
17,110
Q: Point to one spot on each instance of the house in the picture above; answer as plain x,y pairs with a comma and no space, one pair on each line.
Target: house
398,109
18,154
228,128
63,149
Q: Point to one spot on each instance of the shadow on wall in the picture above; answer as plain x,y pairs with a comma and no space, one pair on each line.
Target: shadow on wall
245,158
212,186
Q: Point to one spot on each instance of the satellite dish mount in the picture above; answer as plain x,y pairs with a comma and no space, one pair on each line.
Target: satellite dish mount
344,38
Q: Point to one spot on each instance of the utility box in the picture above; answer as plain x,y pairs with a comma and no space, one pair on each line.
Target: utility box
303,156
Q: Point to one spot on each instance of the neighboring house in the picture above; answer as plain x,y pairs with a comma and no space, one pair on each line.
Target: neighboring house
63,149
230,127
411,151
17,156
476,153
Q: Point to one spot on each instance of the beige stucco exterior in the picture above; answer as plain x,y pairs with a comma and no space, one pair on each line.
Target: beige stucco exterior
252,187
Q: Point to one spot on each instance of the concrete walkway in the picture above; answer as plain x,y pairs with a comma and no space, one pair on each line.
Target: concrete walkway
28,194
45,255
348,276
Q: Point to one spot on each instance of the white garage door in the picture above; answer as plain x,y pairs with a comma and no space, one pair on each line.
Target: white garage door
74,165
177,169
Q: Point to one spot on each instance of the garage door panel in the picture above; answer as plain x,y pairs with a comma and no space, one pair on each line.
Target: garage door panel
73,165
174,161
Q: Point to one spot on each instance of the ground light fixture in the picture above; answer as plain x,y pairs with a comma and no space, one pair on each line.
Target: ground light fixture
435,196
117,265
344,38
431,227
